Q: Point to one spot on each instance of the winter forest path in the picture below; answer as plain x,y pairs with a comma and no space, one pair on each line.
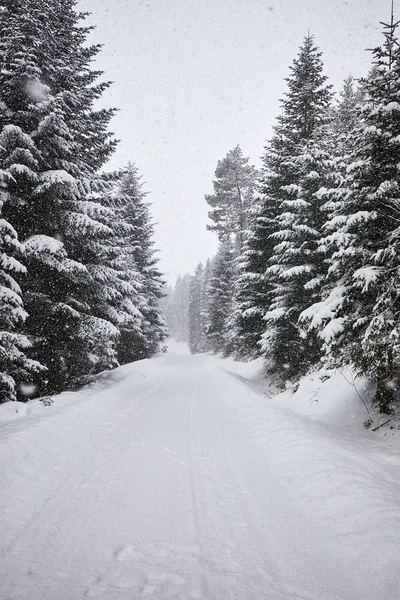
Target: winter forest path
177,481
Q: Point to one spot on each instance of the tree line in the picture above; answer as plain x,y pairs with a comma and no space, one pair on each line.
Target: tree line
79,281
307,272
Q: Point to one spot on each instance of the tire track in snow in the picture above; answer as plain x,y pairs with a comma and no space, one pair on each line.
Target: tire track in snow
76,485
194,495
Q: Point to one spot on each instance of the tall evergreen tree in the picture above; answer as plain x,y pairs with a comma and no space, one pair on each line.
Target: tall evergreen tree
220,298
205,306
138,259
337,139
232,198
195,311
295,265
52,144
253,288
360,313
284,231
15,367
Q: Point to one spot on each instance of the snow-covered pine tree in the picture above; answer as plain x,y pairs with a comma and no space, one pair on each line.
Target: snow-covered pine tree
294,175
345,116
252,288
360,314
111,296
205,305
138,259
298,266
232,198
336,139
232,204
52,143
220,298
15,368
195,310
288,158
199,307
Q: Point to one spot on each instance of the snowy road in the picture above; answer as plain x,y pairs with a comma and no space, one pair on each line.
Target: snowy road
178,481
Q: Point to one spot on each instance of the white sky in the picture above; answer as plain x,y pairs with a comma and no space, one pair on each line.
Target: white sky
193,78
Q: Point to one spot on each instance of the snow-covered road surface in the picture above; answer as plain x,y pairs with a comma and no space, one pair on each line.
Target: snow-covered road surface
175,480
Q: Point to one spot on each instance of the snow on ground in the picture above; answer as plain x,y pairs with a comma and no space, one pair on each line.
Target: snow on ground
177,347
178,478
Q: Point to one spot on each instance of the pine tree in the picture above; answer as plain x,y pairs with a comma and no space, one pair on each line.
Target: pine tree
252,288
345,116
138,259
113,295
15,367
285,229
337,139
195,309
359,315
220,298
205,307
297,266
232,198
52,144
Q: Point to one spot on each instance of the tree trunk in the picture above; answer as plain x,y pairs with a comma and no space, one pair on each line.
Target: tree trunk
384,380
241,219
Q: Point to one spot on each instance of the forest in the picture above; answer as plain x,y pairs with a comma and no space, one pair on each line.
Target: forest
79,279
307,271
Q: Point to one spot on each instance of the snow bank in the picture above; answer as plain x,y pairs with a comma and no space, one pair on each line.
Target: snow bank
334,399
14,410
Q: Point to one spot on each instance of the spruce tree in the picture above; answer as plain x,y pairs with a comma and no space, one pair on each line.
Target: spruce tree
205,305
16,370
285,229
220,298
195,310
52,144
138,259
359,315
232,198
253,288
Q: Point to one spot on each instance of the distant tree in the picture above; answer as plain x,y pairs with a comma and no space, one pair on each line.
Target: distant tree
252,288
220,296
146,330
165,305
232,198
177,309
205,306
195,311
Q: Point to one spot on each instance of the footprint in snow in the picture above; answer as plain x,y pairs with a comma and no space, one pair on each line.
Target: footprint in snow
98,587
148,590
165,585
128,552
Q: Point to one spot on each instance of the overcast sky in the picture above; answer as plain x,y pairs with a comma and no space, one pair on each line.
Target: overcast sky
193,78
